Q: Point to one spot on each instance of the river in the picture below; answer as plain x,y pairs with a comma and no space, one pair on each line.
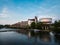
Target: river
28,38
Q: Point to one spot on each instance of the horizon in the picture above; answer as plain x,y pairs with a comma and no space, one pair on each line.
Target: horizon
13,11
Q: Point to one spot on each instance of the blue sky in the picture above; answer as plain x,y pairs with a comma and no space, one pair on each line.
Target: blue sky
12,11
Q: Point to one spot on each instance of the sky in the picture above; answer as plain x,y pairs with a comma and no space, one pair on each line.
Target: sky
12,11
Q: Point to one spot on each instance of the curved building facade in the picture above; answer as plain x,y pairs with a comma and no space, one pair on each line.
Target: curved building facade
46,20
47,23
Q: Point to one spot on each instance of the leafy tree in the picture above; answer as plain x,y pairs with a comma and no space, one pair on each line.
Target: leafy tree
57,23
57,26
6,26
36,25
33,25
39,25
1,26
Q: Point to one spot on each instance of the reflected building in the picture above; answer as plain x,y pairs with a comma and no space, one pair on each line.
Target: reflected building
45,37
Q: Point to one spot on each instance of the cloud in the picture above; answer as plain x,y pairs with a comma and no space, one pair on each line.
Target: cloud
7,21
4,13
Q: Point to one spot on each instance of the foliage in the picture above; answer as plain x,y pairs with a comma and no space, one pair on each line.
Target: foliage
6,26
1,26
57,26
36,25
33,25
39,25
57,23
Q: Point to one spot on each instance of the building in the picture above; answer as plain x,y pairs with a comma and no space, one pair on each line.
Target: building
15,25
32,20
21,24
47,23
46,20
36,19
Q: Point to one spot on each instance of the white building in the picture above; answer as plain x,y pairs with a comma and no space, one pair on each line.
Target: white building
46,20
47,23
32,20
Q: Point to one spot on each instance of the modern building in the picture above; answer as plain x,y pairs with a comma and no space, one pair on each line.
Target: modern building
32,20
23,24
46,20
47,23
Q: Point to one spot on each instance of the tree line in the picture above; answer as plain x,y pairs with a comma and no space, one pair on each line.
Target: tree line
56,27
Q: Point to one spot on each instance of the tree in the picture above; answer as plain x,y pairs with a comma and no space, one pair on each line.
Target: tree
39,25
57,26
6,26
1,26
36,25
33,25
57,23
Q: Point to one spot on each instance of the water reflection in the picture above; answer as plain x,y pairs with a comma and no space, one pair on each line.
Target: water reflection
25,37
57,39
43,37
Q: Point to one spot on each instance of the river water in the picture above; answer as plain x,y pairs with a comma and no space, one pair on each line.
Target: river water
28,38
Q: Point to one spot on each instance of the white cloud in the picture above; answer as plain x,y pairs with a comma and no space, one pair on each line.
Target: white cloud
4,13
7,22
